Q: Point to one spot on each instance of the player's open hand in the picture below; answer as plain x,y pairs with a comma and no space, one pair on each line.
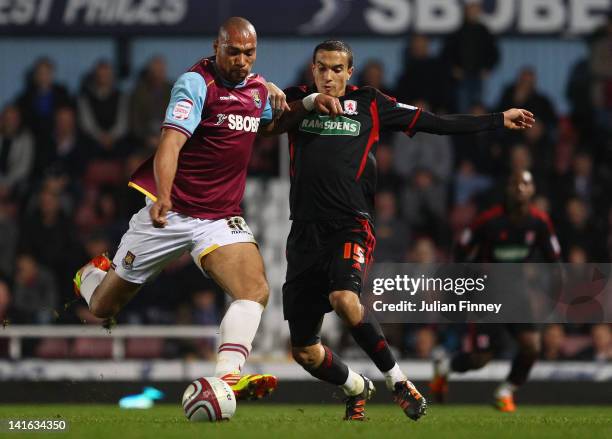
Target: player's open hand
518,119
158,213
326,104
278,100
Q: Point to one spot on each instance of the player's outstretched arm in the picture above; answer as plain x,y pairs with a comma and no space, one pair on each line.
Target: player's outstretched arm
318,102
165,163
514,119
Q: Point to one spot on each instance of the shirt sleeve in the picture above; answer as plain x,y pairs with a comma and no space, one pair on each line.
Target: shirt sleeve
184,111
266,116
395,116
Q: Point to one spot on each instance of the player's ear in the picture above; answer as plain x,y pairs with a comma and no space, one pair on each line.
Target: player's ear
350,72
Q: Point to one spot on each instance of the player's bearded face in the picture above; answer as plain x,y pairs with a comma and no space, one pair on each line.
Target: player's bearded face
331,72
235,56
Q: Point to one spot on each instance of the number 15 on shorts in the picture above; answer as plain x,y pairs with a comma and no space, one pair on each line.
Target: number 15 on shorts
354,251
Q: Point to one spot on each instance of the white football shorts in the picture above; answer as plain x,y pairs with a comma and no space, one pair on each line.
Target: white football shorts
145,250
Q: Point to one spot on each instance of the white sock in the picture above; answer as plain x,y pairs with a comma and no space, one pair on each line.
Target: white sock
354,384
394,375
505,390
237,329
90,279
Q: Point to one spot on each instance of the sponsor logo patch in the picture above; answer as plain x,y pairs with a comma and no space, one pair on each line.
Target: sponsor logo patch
326,126
182,110
350,107
228,98
128,260
237,224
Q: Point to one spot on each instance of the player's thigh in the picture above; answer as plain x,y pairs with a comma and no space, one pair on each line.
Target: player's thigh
145,250
239,269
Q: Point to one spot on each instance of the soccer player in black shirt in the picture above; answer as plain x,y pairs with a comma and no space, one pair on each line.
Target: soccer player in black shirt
333,182
512,232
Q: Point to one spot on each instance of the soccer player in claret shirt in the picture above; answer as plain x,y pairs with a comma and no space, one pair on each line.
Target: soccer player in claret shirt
194,185
512,232
333,182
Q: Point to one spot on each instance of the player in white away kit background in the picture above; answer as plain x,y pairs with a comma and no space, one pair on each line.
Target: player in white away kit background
194,185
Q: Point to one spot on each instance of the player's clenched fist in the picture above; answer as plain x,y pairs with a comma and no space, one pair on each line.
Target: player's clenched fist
158,213
278,100
326,104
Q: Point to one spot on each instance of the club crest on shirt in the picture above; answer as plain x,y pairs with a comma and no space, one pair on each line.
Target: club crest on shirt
128,260
350,107
182,110
256,98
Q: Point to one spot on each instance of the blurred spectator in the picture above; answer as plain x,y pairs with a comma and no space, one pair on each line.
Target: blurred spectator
9,232
424,77
103,109
392,235
580,181
425,159
423,343
542,150
387,178
577,229
8,315
149,101
35,291
205,310
601,348
579,94
423,251
372,74
40,98
468,183
523,93
69,152
47,232
553,340
483,149
16,153
600,60
472,53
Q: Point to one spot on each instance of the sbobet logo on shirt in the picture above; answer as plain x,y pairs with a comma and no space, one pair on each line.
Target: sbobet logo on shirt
239,123
326,126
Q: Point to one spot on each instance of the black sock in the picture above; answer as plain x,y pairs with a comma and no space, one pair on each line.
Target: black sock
521,366
466,361
370,338
332,369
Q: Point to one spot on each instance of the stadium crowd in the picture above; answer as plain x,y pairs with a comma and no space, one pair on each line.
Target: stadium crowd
65,160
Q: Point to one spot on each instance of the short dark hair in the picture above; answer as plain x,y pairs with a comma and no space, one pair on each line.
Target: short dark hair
334,46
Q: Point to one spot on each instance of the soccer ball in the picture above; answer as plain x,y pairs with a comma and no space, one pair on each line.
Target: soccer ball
209,399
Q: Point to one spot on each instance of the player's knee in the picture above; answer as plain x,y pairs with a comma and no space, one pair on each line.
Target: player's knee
101,310
261,292
307,357
347,306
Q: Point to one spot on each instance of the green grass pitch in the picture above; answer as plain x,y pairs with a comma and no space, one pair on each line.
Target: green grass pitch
319,421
